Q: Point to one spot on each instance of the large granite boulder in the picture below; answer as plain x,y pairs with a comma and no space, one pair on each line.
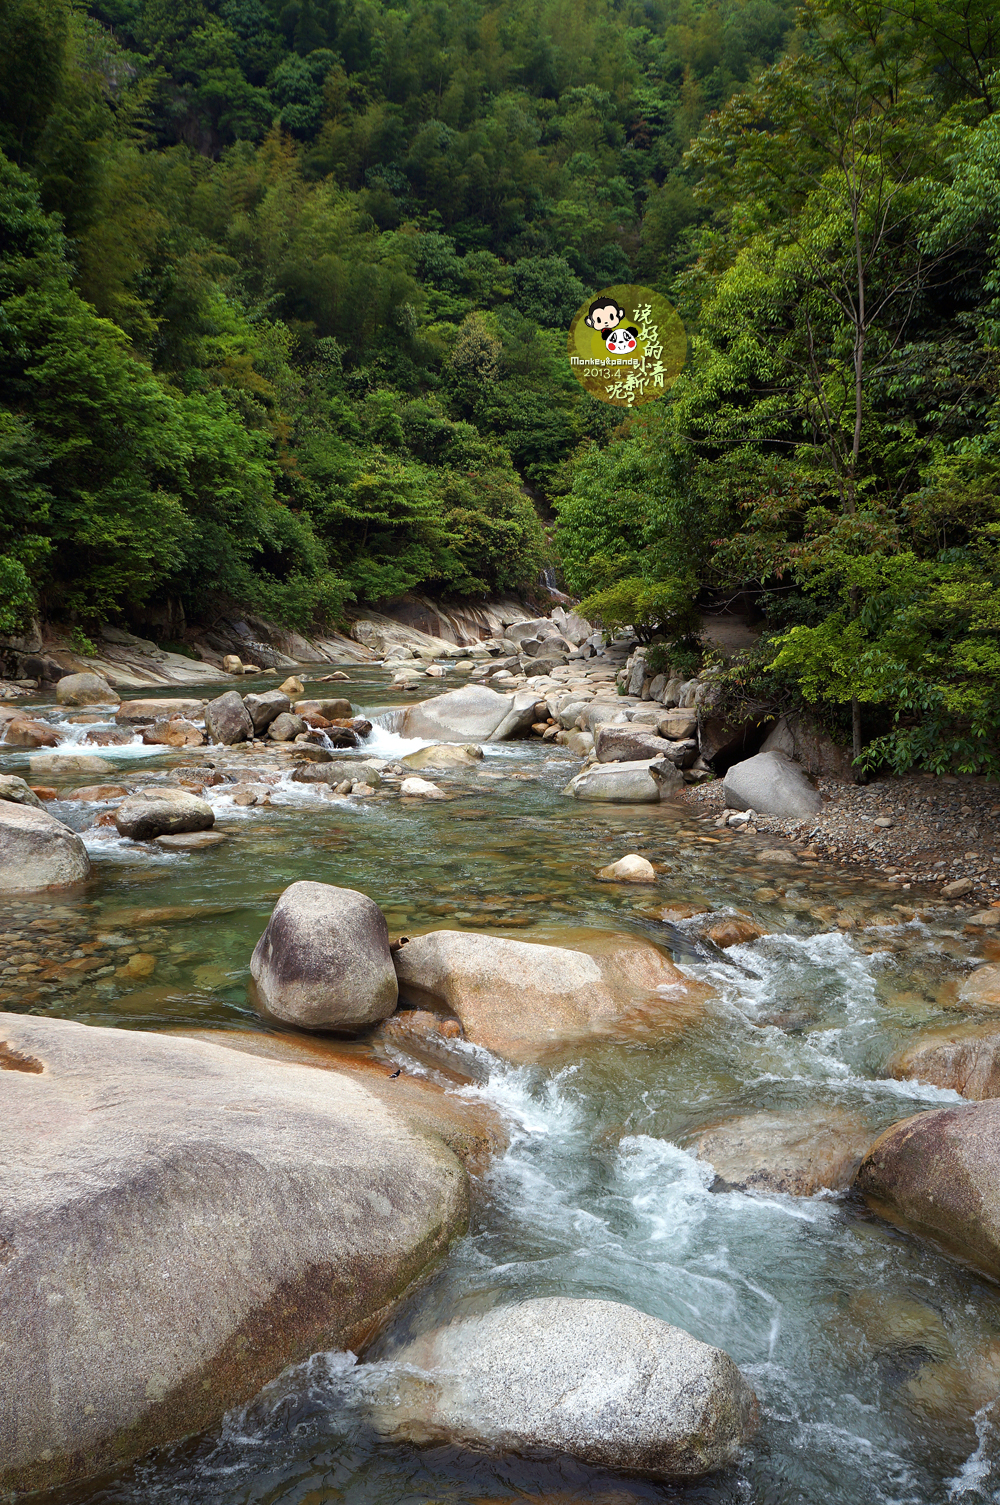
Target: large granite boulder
771,784
85,689
37,851
471,714
162,811
264,708
178,1223
323,962
523,1001
799,1152
594,1379
937,1174
616,783
335,770
18,791
25,731
227,719
631,743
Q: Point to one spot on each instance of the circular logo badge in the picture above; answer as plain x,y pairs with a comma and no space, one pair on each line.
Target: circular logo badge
626,345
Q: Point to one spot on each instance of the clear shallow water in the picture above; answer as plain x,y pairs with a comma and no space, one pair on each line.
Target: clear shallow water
876,1359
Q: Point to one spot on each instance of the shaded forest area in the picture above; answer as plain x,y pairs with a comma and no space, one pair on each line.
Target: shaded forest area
285,290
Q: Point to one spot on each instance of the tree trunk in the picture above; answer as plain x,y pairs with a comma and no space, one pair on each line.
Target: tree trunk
859,777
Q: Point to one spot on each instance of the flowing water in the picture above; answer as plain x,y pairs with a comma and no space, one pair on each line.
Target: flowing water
876,1359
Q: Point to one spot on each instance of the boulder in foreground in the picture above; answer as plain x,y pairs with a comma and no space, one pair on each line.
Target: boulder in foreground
162,811
523,1000
937,1174
594,1379
202,1218
771,784
37,851
323,962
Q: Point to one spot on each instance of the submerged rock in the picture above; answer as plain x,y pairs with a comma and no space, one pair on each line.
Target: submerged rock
522,1000
323,962
937,1174
594,1379
162,811
180,1222
800,1152
771,784
37,851
85,689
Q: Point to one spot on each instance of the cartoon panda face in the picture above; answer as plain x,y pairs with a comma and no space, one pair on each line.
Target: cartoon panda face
621,341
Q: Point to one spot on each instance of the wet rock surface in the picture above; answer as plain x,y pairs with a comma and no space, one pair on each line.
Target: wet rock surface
38,851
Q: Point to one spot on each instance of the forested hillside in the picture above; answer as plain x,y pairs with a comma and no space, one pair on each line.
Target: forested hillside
285,291
286,287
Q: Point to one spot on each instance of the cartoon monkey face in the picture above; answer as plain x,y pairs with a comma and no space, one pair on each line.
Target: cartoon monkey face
622,341
604,315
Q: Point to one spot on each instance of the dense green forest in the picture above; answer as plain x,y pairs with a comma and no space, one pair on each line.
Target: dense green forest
284,293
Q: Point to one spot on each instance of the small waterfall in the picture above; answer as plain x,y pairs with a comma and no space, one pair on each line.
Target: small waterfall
392,720
548,578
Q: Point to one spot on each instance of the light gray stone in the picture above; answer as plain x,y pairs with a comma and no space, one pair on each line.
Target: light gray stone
17,792
520,716
227,719
85,689
286,727
138,712
263,709
37,851
323,962
771,784
630,743
335,770
180,1221
616,783
596,1380
162,811
471,714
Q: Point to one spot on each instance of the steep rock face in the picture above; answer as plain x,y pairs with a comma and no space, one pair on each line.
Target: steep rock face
594,1379
179,1223
323,962
523,1001
937,1173
37,851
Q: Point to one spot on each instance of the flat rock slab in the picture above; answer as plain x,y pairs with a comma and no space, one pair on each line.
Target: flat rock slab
629,783
137,712
192,841
181,1221
937,1174
594,1379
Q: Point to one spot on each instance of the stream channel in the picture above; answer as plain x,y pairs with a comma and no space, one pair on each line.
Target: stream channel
875,1357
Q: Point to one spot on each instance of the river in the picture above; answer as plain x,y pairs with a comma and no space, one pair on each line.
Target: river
875,1357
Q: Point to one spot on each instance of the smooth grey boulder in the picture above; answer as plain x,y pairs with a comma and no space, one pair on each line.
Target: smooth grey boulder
599,711
227,719
537,627
597,1380
265,707
520,716
667,775
335,771
471,714
37,851
178,1223
771,784
568,715
18,792
616,783
85,689
323,962
631,743
286,727
162,811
